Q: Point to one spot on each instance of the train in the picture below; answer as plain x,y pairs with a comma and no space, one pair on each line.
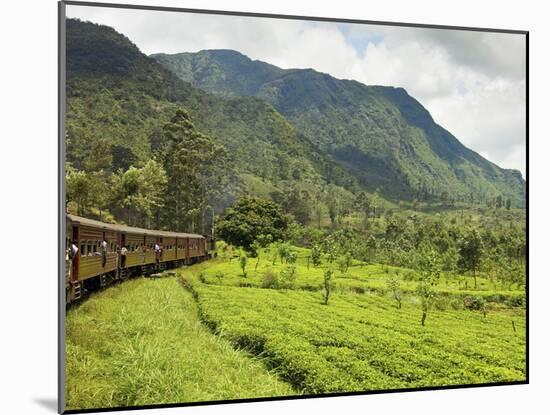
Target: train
98,254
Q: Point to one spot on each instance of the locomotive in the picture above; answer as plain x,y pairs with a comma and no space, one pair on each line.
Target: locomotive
98,254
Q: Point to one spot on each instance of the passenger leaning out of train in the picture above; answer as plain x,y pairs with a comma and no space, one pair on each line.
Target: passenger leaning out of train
104,252
123,252
72,251
158,252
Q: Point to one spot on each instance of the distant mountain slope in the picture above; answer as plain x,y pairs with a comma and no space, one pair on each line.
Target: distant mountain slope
386,138
119,99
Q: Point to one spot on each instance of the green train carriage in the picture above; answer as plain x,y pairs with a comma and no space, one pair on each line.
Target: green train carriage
98,264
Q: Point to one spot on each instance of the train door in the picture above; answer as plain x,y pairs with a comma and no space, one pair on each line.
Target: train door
74,265
144,249
103,251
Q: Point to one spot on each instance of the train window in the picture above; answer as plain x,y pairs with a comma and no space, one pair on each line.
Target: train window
82,248
89,249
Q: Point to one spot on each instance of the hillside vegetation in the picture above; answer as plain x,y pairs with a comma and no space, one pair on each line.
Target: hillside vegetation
382,135
119,102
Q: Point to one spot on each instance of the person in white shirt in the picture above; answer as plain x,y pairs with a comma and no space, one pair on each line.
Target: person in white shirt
123,253
73,251
104,252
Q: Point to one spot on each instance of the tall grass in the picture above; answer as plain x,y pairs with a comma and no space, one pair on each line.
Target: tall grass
142,343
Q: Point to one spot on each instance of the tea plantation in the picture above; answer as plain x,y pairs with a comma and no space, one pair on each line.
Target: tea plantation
361,340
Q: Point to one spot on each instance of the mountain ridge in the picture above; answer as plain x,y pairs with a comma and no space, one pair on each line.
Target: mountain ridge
384,136
118,100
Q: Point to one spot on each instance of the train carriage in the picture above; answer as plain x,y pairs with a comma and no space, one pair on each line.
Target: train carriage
100,258
168,246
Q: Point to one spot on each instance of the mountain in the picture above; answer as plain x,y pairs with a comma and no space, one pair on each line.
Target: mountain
118,100
381,135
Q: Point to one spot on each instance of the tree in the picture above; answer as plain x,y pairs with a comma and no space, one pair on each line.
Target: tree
79,189
242,262
327,276
470,249
127,192
344,262
430,272
87,189
316,255
366,249
261,242
198,171
153,185
249,218
123,157
363,204
394,286
140,192
294,202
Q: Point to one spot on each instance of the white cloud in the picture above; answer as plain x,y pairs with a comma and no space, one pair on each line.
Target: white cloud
473,83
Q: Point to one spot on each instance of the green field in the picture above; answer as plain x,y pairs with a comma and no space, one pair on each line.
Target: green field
142,343
213,334
359,341
359,278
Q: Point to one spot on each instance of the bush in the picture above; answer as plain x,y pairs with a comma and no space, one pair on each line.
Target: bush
409,276
474,302
441,303
219,276
270,279
242,262
288,276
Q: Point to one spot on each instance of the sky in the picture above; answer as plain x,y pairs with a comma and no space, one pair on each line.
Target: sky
473,83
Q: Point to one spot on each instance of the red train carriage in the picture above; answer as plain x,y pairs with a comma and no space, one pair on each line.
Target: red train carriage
107,252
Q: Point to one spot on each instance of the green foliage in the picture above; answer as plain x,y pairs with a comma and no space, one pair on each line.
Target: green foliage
429,277
242,262
198,172
248,219
140,192
316,256
361,342
283,251
270,279
327,276
470,249
373,130
219,276
344,262
129,337
288,276
394,286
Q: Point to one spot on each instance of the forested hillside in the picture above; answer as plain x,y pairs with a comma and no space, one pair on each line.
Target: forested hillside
382,135
121,114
